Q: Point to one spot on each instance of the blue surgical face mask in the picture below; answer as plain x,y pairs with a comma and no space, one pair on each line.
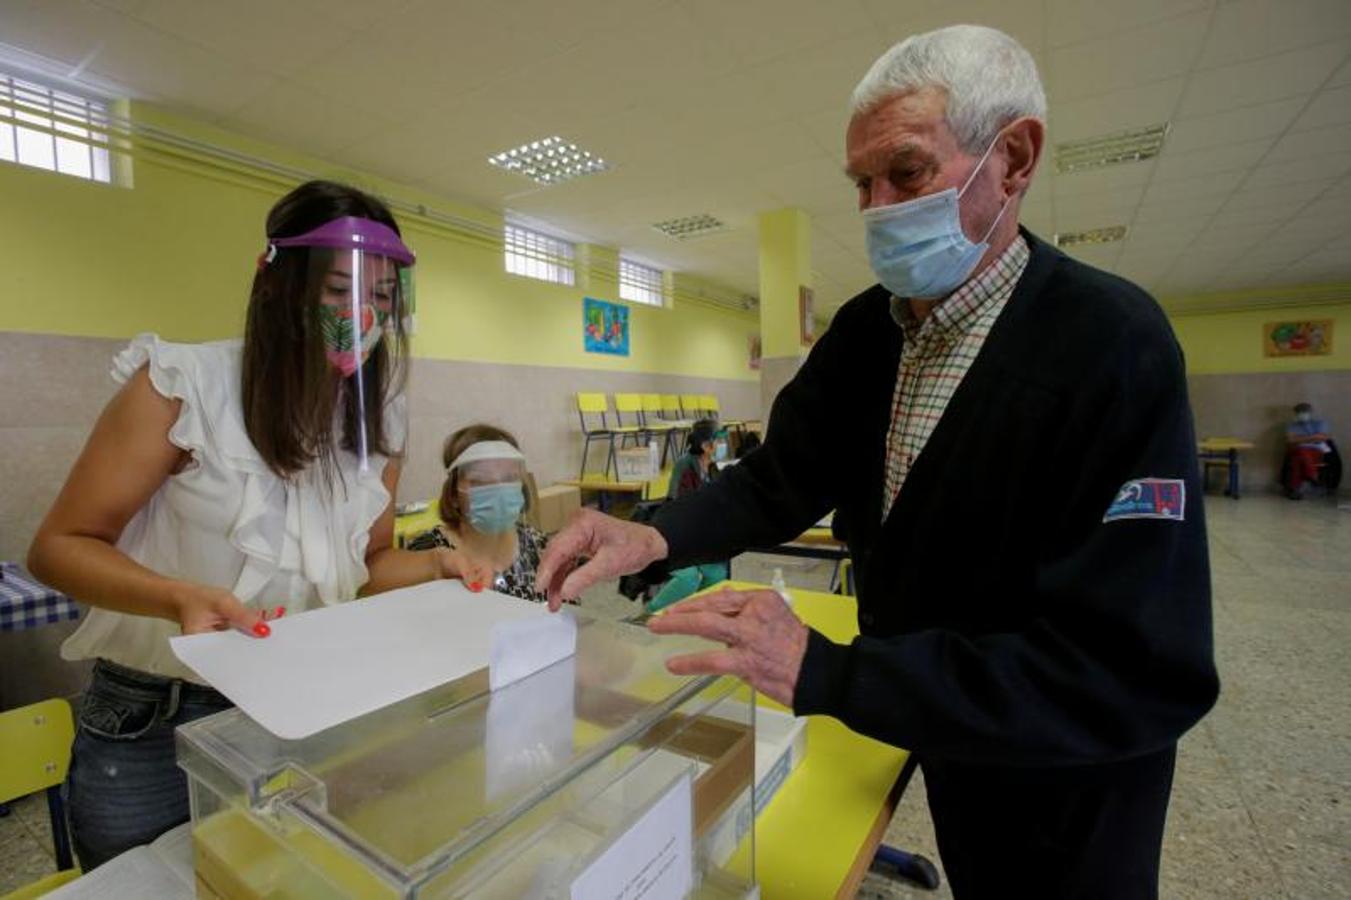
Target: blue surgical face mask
918,249
494,508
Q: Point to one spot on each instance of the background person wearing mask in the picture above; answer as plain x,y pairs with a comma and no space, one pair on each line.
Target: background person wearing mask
482,499
1020,484
1306,441
692,471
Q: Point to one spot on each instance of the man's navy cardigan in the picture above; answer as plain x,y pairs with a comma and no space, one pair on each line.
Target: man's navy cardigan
1007,619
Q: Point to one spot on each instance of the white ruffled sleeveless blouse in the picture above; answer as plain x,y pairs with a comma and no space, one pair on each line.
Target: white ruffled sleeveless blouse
227,520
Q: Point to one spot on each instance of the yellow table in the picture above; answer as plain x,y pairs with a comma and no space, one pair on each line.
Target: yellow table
820,832
413,524
652,489
1223,451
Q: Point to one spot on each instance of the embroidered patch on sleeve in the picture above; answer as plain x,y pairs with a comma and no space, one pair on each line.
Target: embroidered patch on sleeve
1149,498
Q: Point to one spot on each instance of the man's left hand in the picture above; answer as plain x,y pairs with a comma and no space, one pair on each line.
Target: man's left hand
765,641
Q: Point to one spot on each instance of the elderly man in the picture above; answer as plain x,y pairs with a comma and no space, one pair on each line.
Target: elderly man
1019,487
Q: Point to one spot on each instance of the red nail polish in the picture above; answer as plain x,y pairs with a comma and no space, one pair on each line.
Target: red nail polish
475,586
280,611
260,629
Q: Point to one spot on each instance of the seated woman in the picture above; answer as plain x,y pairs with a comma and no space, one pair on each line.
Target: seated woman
692,471
481,505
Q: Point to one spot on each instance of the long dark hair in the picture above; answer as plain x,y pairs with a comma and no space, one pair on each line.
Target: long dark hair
290,392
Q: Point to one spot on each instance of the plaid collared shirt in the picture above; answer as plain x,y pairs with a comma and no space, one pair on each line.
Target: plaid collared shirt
936,356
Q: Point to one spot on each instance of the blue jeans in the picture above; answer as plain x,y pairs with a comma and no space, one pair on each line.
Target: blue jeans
124,786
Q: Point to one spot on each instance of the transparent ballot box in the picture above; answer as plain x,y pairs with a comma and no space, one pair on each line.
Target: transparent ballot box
600,776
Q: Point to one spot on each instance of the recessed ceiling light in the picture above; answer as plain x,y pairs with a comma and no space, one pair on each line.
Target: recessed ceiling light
1091,236
1121,147
687,227
549,160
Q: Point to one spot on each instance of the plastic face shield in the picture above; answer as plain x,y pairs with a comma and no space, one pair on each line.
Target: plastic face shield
366,285
488,462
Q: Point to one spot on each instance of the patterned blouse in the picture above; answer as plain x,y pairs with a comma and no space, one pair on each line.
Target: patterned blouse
519,580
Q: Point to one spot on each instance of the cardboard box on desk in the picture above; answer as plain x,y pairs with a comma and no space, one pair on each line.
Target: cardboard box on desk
555,506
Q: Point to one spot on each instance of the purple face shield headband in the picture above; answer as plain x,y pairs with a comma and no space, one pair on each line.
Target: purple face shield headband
349,233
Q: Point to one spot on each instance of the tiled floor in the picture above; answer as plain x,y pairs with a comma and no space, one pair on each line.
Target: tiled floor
1262,801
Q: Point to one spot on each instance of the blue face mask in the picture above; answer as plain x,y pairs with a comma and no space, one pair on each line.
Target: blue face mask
918,249
494,508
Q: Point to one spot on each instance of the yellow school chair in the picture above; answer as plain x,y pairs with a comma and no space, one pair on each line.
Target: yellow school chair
631,405
650,410
37,741
670,411
593,411
692,406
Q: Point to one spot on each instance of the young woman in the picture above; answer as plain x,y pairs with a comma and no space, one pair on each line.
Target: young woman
227,479
481,502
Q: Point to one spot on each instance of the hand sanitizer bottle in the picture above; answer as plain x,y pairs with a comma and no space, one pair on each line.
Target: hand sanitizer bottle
781,587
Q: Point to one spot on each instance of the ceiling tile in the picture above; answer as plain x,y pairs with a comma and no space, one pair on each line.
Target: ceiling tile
1097,181
1299,145
1175,166
279,38
1022,19
1236,126
1126,58
1165,209
1330,106
68,31
1248,29
1282,200
821,78
1119,110
1261,81
1316,168
1075,21
746,25
1199,184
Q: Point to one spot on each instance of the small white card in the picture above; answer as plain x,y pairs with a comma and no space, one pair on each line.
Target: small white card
653,860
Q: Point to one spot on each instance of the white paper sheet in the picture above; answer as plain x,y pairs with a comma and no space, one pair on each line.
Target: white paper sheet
653,860
327,666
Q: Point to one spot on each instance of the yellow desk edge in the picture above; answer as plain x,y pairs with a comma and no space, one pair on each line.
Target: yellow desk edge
818,834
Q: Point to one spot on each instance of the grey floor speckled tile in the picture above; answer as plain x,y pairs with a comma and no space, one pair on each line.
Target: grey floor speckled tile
1261,804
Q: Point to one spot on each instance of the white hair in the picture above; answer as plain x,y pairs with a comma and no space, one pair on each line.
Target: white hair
988,77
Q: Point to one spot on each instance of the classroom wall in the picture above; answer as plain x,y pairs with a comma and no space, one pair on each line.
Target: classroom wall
83,267
174,253
1236,391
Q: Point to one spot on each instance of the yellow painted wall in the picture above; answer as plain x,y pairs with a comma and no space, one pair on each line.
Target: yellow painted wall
175,254
1231,342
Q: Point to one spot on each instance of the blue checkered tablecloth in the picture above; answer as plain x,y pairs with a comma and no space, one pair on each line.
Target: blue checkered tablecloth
27,603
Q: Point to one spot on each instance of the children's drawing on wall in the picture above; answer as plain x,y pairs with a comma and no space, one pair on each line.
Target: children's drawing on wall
1307,338
605,327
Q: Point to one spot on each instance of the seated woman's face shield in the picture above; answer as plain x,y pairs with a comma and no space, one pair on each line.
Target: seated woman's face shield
367,283
490,485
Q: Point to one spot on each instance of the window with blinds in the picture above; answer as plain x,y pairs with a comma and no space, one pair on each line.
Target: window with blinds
640,283
53,130
537,255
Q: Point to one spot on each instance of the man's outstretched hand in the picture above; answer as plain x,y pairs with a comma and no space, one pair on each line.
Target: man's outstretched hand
611,547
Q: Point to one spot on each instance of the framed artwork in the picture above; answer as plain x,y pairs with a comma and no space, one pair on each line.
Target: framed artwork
754,346
1308,337
605,327
806,314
